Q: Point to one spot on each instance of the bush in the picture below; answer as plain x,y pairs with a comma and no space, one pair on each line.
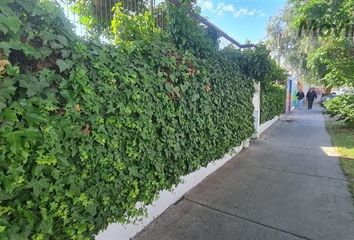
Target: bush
272,101
88,130
342,106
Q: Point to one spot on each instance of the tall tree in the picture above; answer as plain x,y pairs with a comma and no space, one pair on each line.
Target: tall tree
315,40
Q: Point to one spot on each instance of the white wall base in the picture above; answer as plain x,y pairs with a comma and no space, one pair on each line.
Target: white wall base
266,125
117,231
246,143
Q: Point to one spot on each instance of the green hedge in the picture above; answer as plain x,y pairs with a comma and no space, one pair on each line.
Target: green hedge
272,101
342,106
88,129
258,65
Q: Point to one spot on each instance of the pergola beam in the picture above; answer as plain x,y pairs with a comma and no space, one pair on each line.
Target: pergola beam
212,26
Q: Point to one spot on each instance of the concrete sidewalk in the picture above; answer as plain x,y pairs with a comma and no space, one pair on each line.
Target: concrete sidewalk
283,187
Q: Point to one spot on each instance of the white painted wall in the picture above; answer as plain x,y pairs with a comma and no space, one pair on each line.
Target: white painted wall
257,108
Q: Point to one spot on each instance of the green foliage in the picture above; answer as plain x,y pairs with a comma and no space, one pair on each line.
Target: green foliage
187,33
258,65
342,106
333,61
127,28
88,130
322,53
272,101
97,15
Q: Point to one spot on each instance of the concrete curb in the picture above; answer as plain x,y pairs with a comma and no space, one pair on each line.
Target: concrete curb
267,125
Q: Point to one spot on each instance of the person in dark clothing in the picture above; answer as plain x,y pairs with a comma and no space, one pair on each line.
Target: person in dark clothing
310,96
300,98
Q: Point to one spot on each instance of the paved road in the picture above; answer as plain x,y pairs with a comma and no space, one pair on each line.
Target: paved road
283,187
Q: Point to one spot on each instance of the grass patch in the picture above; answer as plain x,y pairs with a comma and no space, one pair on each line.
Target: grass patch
342,136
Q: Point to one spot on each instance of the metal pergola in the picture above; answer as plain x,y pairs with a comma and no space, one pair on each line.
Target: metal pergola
210,25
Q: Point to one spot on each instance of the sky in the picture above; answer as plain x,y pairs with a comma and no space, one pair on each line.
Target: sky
241,19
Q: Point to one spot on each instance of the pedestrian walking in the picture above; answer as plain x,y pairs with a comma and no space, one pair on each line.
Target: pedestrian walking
310,96
300,98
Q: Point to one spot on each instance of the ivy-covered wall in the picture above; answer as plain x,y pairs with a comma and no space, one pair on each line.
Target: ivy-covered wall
90,129
257,64
273,98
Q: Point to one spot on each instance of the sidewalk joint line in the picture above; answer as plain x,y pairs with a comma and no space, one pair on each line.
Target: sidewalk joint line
248,220
287,146
299,173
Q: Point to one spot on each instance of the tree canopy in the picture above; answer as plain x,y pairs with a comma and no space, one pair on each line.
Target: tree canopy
315,40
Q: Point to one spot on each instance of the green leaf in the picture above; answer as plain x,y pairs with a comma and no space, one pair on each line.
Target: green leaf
48,36
47,160
45,52
3,28
65,53
32,84
64,64
4,8
38,186
169,86
10,115
184,87
7,91
6,46
55,45
133,171
26,5
46,225
13,70
14,141
11,22
62,40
